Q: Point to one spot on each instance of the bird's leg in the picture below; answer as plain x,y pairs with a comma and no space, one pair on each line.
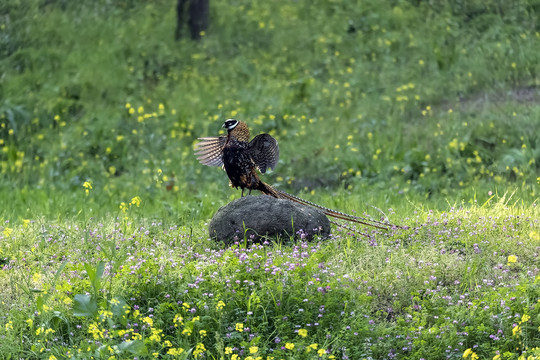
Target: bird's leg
249,192
242,193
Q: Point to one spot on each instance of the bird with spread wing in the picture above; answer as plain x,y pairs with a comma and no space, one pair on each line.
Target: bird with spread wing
241,158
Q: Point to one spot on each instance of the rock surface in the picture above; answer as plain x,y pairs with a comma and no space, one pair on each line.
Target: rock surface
265,216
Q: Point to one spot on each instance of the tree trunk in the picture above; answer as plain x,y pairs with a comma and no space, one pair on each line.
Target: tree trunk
198,17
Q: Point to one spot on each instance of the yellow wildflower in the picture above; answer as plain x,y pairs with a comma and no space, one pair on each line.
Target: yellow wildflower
220,305
7,232
199,349
228,350
302,332
512,259
94,330
467,352
289,346
175,351
136,201
178,320
148,320
239,327
253,349
156,335
321,352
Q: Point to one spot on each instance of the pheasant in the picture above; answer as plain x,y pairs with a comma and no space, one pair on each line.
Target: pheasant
240,158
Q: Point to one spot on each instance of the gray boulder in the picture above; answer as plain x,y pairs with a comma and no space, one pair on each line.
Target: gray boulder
265,216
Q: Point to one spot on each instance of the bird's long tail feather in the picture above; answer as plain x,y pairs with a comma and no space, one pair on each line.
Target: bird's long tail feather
269,190
335,213
343,226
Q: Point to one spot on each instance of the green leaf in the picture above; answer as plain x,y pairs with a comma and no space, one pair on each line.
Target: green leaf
84,305
39,303
90,271
99,270
59,318
135,347
59,271
95,274
118,306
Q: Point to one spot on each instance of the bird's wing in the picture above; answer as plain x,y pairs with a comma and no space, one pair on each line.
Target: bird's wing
209,150
264,151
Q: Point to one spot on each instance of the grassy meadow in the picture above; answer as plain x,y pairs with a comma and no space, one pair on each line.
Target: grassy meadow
425,110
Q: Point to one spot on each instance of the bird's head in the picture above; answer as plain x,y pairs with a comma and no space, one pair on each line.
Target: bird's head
230,124
237,129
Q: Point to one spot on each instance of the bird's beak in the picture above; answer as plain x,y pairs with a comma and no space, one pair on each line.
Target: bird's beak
223,126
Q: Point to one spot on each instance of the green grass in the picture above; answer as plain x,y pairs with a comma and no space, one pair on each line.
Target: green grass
425,110
464,278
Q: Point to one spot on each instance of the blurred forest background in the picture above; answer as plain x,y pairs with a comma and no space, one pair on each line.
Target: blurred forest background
390,102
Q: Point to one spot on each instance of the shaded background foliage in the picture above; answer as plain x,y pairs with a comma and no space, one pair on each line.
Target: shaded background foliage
429,98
